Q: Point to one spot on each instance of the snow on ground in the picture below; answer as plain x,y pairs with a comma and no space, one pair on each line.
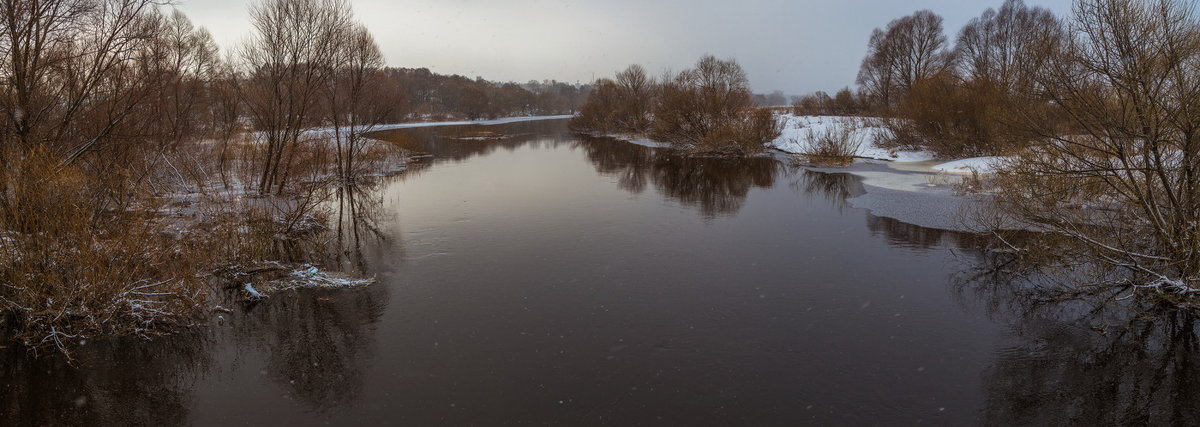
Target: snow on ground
471,122
638,140
974,164
799,132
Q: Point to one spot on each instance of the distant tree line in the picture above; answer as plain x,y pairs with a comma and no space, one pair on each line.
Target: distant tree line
422,94
773,99
844,103
706,109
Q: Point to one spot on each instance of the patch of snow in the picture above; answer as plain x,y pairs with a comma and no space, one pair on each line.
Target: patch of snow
974,164
505,120
250,290
798,133
638,140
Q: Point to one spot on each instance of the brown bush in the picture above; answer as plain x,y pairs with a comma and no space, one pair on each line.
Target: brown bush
598,113
953,118
75,269
620,106
834,146
710,109
974,102
1120,182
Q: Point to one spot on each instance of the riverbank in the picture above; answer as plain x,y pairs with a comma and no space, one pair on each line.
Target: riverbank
909,186
487,122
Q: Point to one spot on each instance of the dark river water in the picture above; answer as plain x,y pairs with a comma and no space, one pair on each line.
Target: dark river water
549,278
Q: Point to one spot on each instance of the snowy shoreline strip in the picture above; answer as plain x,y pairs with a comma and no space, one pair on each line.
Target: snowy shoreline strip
501,121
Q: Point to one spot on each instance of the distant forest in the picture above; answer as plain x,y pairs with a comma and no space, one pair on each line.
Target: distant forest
419,93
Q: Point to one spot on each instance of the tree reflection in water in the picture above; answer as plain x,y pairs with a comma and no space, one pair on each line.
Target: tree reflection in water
315,344
1099,360
457,143
714,186
139,384
835,188
1078,361
1094,360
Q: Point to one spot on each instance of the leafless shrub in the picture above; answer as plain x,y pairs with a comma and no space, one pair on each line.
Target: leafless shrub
834,145
709,109
909,49
1119,180
123,156
623,105
599,113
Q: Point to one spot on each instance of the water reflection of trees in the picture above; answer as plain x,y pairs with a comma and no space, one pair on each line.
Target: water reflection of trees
1075,358
715,186
317,342
902,234
314,343
1082,358
835,188
454,143
357,216
123,382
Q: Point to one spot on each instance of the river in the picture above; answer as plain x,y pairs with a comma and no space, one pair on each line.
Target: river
551,278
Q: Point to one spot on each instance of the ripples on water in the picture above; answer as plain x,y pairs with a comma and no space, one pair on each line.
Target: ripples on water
552,278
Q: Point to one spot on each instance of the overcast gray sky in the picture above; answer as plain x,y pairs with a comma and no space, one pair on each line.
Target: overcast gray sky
797,46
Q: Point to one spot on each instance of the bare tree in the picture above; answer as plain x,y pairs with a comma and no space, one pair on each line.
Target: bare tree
184,61
907,50
1000,47
1121,177
637,93
91,91
353,105
710,108
288,64
598,113
74,85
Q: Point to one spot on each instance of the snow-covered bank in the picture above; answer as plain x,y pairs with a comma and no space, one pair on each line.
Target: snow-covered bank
800,133
500,121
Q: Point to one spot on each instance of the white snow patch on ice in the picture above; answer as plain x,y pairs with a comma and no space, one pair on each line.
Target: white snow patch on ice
974,164
638,140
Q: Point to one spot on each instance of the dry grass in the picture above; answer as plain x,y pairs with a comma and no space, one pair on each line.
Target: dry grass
835,145
79,263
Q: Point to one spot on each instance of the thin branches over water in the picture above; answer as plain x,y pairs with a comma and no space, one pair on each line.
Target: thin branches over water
1120,177
127,146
